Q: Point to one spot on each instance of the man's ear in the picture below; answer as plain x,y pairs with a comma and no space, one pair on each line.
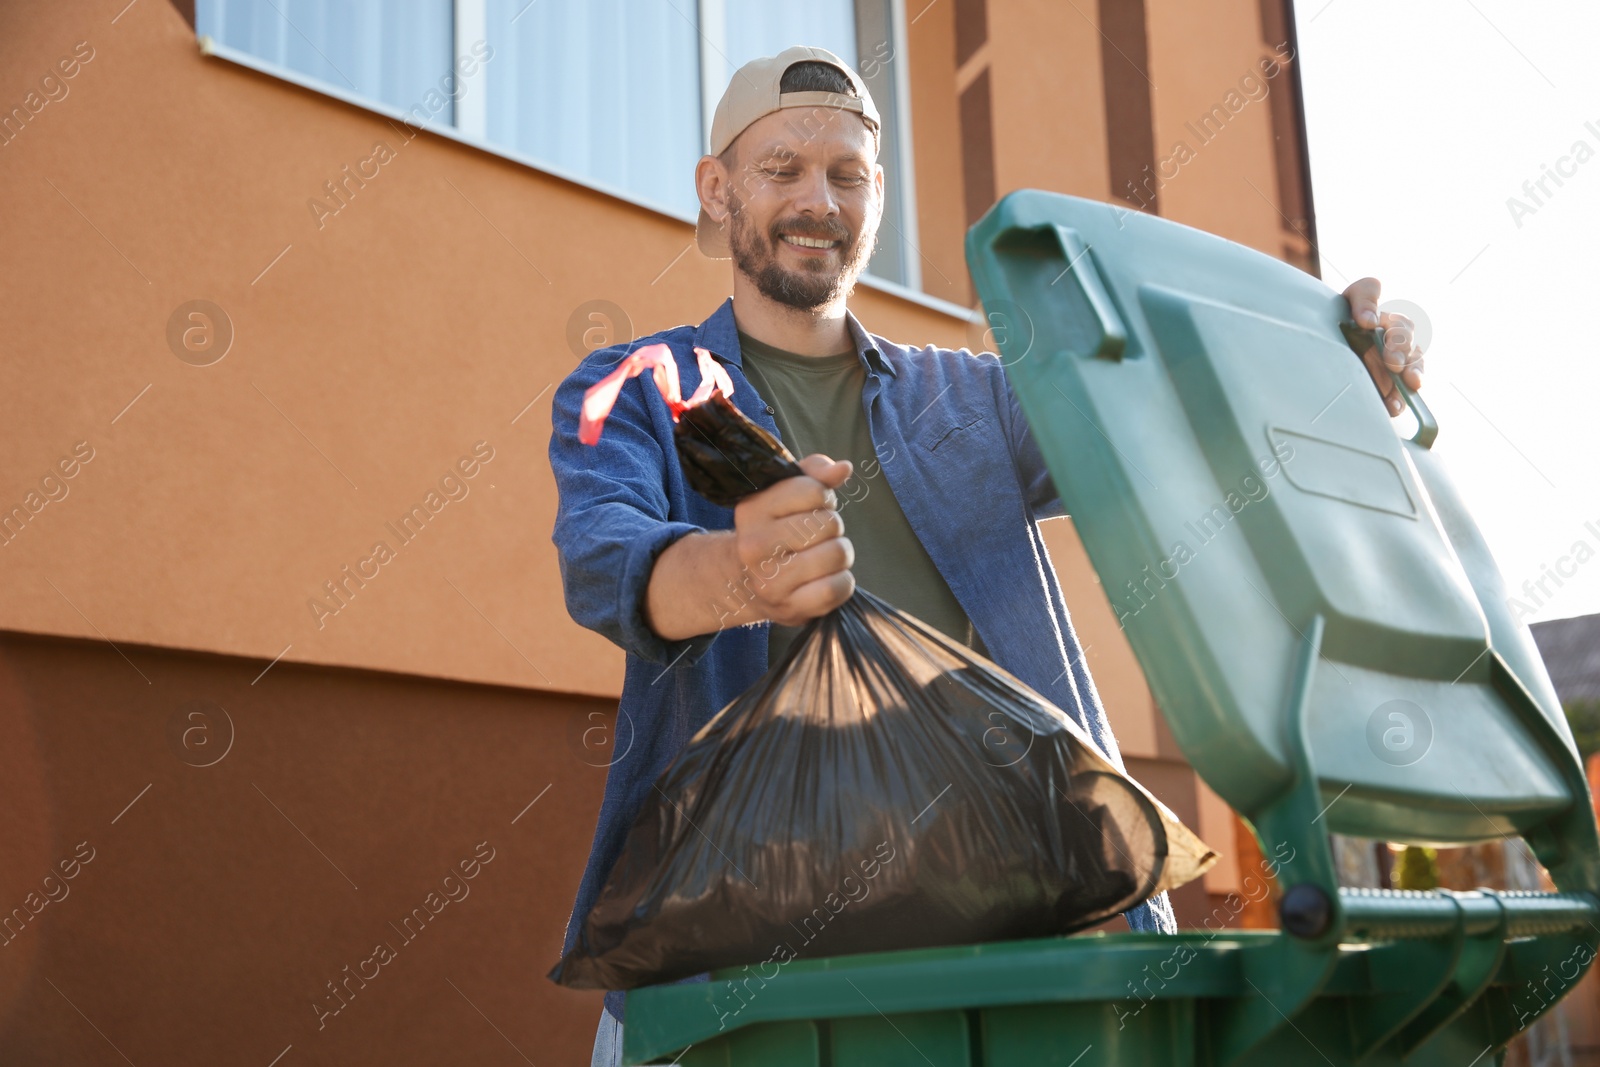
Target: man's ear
711,180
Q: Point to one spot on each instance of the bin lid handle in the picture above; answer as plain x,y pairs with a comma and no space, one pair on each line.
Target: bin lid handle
1360,339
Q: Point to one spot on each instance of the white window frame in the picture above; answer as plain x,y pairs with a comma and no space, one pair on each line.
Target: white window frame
472,97
910,254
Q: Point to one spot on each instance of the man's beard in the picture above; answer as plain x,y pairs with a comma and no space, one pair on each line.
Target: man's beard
819,283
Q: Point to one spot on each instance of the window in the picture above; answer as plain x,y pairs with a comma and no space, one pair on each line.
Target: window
609,89
618,92
391,51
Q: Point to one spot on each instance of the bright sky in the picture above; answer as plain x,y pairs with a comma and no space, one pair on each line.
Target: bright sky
1424,119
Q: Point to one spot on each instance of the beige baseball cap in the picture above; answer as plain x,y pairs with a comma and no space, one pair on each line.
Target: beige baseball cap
754,94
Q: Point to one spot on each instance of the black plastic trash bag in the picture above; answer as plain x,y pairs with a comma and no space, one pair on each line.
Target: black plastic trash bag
725,456
881,787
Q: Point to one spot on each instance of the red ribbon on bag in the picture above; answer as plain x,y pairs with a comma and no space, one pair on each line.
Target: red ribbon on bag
600,397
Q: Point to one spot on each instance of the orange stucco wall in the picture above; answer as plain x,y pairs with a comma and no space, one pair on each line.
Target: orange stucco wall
1199,54
191,859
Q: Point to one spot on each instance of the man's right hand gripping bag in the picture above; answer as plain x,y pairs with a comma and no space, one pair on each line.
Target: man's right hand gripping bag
881,787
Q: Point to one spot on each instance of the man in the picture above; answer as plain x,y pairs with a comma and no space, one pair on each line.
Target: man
944,485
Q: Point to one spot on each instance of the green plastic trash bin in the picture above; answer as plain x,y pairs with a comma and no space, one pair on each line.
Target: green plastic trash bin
1328,638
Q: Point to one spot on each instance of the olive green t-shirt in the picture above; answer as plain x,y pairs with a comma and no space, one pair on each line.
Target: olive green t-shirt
816,402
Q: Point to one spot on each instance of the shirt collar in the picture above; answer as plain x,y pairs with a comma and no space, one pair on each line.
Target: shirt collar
720,336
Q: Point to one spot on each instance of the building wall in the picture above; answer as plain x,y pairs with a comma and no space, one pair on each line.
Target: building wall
371,352
236,845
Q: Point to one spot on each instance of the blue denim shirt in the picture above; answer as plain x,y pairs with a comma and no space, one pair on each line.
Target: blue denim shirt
952,442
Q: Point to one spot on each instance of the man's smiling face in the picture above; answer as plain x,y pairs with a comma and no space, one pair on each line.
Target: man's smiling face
805,197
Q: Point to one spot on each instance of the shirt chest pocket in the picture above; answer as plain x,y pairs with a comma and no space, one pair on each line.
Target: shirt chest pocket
953,431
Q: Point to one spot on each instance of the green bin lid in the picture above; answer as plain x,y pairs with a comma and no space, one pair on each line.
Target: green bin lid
1241,492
